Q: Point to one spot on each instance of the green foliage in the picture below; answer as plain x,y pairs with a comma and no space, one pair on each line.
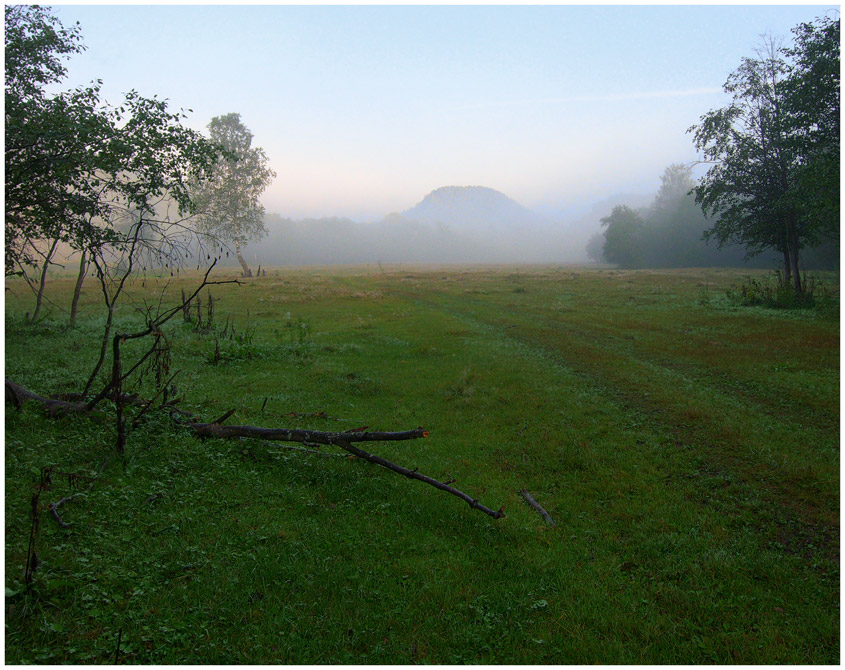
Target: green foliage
47,137
623,228
82,171
776,292
666,234
773,183
814,101
294,342
227,195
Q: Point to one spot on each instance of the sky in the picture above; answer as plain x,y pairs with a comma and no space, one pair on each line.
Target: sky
363,110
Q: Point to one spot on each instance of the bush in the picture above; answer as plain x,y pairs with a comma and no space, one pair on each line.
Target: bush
776,292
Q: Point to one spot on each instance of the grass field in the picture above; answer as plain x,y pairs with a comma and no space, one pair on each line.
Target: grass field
687,449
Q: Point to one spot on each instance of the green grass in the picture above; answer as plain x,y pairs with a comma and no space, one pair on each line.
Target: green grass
687,448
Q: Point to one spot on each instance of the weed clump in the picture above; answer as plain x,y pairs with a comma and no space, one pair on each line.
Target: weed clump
777,293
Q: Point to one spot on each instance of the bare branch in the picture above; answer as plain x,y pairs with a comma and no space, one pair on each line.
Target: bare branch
537,507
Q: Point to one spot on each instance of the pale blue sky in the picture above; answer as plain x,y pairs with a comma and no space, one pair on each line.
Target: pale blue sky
364,110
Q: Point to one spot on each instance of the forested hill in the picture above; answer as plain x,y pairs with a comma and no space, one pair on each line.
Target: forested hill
473,208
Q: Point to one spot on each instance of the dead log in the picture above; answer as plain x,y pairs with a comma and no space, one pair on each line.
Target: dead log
537,507
17,394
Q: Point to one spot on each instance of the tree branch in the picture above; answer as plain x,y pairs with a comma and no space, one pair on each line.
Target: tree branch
537,507
344,441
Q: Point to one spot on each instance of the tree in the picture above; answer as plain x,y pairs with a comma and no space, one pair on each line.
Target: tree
50,140
621,239
813,100
227,197
595,247
676,182
674,224
82,172
772,149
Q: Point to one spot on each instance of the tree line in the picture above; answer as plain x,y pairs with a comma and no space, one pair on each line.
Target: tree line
772,185
122,184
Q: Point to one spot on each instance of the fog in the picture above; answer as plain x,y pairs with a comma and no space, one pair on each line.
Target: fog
469,224
476,224
363,111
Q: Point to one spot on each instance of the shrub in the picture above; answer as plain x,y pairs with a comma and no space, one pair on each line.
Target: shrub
776,292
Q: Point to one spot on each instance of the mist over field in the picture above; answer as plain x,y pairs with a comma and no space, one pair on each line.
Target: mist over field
459,224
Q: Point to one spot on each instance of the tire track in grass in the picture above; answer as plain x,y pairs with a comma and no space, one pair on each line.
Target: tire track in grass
802,506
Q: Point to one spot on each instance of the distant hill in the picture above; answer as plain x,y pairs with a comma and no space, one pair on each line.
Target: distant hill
453,224
474,209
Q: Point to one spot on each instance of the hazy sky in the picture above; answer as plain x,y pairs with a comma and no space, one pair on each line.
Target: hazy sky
364,110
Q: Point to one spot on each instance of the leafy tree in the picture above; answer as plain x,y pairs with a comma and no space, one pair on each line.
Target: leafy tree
48,138
595,247
227,198
622,239
676,182
674,224
772,149
83,172
813,99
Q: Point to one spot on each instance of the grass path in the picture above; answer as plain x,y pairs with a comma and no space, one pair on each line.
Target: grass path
769,442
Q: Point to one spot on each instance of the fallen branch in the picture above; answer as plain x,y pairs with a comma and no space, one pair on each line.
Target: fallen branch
300,435
18,394
344,441
54,508
413,474
537,507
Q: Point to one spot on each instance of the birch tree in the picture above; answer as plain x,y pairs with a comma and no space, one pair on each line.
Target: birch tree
227,197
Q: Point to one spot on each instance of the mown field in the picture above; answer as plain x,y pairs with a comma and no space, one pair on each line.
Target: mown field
686,448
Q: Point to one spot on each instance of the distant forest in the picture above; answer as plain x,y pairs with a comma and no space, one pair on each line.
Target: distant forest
669,233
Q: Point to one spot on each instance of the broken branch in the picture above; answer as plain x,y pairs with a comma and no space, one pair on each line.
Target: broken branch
413,474
54,508
537,507
344,441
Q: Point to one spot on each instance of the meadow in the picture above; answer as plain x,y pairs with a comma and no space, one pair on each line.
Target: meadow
687,449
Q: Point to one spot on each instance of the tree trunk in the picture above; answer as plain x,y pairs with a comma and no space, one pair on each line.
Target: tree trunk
796,274
787,266
39,296
792,239
246,271
120,426
77,290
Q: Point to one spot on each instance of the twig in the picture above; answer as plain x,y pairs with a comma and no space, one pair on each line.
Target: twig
54,508
224,417
150,402
413,474
537,507
117,651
